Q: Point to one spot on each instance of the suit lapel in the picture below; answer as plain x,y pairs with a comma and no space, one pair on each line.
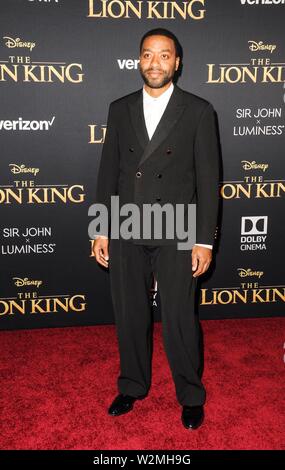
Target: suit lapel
172,113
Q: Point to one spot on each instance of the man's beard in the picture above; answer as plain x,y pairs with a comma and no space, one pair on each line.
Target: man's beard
156,82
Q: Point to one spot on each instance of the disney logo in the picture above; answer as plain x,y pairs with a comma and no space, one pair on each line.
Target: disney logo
11,43
254,166
260,46
249,272
23,169
19,282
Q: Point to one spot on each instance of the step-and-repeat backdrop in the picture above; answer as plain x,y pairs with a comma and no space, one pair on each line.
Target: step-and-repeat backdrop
61,63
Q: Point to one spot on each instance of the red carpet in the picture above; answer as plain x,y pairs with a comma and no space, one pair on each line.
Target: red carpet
56,385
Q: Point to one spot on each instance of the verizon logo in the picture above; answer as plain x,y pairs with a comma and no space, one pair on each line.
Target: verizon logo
24,125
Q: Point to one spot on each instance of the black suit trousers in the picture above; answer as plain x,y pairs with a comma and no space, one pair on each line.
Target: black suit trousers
131,269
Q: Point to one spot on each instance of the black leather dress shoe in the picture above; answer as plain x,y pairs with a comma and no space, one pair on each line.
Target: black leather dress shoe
122,404
192,416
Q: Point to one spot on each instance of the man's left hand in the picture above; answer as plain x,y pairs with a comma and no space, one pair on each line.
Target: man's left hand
201,259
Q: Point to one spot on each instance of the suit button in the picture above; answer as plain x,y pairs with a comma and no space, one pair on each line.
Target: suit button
131,149
168,151
159,175
158,198
138,174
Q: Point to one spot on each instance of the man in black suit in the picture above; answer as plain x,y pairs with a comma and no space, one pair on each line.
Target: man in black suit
161,147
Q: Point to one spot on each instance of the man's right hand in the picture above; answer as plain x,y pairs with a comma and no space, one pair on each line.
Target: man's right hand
101,251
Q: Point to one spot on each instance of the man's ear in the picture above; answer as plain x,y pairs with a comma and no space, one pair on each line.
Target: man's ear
177,62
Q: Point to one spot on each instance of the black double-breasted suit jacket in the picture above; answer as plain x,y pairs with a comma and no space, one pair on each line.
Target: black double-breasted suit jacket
178,165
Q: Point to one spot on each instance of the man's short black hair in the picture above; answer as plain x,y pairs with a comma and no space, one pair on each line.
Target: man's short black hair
163,32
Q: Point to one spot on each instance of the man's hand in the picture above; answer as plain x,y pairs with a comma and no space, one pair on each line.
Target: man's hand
201,259
101,251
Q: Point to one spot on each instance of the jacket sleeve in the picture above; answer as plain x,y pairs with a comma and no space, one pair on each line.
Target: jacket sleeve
206,155
108,173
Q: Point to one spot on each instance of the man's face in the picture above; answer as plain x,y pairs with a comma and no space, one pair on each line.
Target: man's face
157,61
